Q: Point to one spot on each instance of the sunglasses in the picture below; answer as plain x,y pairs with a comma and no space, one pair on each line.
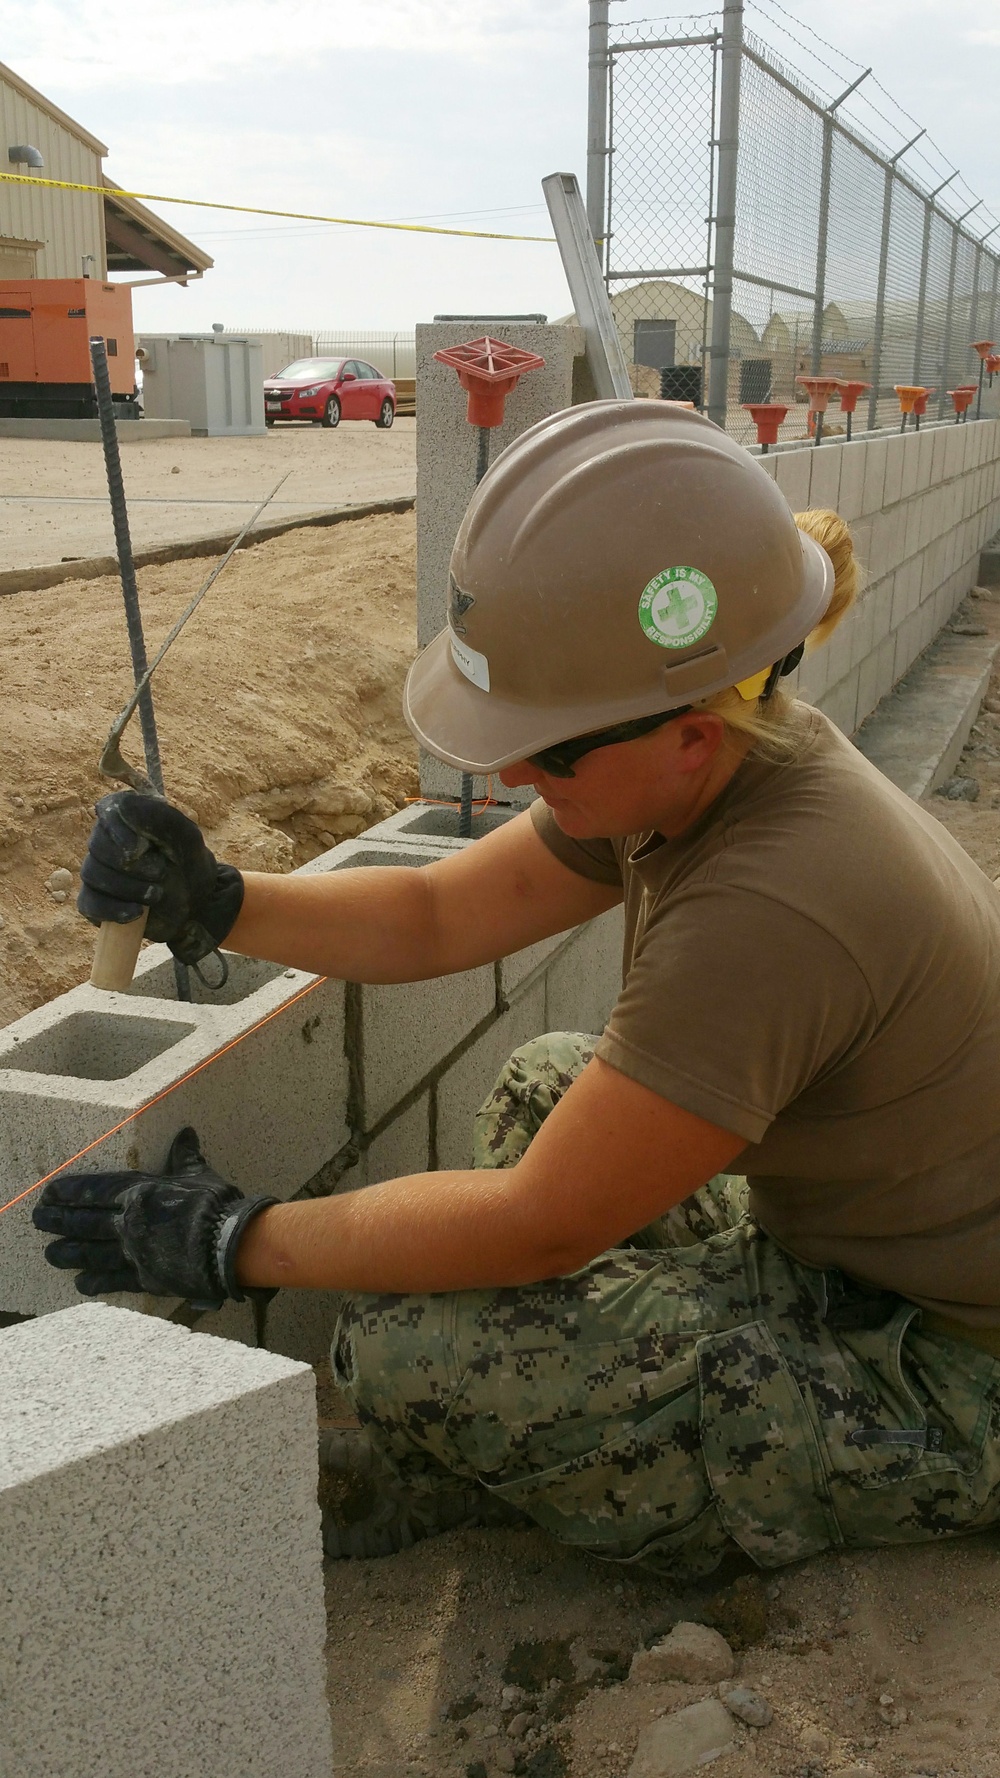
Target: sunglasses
558,761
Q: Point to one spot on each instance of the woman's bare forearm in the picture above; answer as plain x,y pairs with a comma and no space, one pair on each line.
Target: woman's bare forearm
365,925
427,1232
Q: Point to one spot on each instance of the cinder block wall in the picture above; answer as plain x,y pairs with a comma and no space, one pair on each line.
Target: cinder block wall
920,506
348,1085
160,1547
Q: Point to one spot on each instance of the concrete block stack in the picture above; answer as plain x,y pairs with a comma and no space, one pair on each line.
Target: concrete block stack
160,1548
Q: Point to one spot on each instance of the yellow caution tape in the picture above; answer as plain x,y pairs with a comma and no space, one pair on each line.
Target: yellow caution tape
158,197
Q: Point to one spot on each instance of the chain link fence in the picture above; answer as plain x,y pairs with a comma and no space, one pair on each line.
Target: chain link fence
853,250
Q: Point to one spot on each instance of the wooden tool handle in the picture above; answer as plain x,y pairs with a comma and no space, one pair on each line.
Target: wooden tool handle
117,952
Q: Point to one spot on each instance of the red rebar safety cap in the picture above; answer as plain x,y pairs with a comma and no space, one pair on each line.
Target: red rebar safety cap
820,390
983,347
849,393
767,417
488,370
920,405
962,397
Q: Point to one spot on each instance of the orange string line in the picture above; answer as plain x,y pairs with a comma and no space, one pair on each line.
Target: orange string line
215,1057
479,807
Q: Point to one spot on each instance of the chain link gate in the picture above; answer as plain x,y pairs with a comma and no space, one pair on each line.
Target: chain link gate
754,230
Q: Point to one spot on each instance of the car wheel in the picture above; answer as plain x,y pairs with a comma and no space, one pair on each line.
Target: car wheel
268,422
331,412
386,416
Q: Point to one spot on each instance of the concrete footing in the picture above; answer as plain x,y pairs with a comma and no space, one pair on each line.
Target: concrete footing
160,1548
916,736
89,431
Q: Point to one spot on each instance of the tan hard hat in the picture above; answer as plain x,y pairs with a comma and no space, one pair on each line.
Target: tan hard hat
619,559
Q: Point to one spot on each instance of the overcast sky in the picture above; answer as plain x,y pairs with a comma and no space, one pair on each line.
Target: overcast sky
448,110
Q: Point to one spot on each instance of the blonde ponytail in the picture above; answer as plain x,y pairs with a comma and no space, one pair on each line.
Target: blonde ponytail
766,723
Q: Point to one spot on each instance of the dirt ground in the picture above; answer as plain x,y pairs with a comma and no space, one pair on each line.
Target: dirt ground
280,726
54,503
278,711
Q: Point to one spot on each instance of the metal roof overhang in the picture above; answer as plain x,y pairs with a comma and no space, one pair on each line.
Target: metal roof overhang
139,241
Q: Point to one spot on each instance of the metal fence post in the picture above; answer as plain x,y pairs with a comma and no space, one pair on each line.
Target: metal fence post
925,252
883,266
725,209
823,222
974,310
946,342
597,121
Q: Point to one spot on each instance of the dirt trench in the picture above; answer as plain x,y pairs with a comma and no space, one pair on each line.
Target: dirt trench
279,712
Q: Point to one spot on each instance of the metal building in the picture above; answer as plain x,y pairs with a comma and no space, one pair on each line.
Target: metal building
47,233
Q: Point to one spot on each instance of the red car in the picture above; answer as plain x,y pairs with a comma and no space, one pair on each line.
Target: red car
325,391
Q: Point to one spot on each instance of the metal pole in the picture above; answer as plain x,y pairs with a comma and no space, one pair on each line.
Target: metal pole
883,266
925,252
130,589
725,209
597,120
946,343
822,233
993,298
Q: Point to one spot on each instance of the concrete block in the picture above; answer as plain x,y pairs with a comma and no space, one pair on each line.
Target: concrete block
462,1090
880,560
430,824
863,633
438,780
885,663
824,480
909,512
861,537
160,1546
78,1067
871,499
910,465
407,1029
840,703
867,693
939,444
792,476
403,1146
370,850
924,456
585,980
896,451
852,479
880,601
446,447
767,463
516,969
954,452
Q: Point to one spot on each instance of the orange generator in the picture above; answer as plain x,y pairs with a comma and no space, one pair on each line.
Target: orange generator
45,330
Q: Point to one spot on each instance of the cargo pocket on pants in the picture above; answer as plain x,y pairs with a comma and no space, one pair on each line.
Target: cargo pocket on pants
760,1449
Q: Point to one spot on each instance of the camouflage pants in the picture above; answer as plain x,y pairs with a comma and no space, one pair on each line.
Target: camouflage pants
661,1404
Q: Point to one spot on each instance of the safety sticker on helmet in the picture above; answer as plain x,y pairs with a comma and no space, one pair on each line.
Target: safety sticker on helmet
469,661
678,607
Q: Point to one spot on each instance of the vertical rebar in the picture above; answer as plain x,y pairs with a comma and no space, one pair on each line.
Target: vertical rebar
130,590
465,802
597,121
725,209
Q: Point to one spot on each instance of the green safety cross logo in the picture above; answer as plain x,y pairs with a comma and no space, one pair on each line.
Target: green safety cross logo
678,607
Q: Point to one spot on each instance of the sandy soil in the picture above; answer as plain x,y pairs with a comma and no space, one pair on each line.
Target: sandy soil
54,503
278,712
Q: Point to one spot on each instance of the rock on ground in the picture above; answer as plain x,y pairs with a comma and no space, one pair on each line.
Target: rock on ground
692,1652
683,1741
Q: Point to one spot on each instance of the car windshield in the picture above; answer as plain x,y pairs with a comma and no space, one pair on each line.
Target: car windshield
319,369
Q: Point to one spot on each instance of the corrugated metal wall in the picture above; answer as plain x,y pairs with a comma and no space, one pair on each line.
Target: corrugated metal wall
69,224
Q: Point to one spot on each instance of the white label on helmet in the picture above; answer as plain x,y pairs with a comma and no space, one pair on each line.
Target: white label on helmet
475,666
678,607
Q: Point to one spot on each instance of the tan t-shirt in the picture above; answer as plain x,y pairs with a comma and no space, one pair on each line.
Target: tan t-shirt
816,966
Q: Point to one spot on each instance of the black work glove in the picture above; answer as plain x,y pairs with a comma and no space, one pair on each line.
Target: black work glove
145,853
171,1234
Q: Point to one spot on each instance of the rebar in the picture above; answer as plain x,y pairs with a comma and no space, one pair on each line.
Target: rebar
130,590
